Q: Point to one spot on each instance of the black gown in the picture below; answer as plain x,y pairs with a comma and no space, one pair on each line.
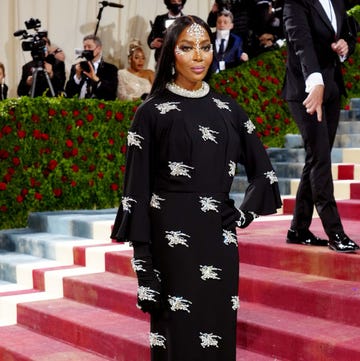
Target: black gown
181,160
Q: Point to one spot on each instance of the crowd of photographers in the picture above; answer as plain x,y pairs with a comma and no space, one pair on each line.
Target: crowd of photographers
246,27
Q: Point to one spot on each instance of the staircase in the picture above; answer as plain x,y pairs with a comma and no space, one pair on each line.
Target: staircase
67,293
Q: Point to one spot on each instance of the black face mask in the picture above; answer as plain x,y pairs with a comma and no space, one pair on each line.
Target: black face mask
175,8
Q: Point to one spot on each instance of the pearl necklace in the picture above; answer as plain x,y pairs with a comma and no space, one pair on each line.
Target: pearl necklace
199,93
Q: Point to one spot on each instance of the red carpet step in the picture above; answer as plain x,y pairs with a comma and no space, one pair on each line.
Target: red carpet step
21,344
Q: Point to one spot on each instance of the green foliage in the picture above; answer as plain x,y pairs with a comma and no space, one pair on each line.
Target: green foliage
256,85
60,154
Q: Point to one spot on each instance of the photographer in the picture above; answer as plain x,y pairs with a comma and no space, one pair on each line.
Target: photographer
91,76
54,68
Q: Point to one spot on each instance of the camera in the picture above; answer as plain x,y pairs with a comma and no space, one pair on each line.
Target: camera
37,43
88,55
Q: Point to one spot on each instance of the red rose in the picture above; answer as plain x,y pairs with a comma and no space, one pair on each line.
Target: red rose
74,152
73,183
123,149
79,123
21,134
101,105
45,136
114,186
51,112
76,113
111,141
24,192
108,114
3,208
35,118
95,134
52,164
69,143
2,186
100,175
122,168
6,129
63,113
19,199
38,196
90,117
16,161
75,168
57,192
92,167
119,116
37,134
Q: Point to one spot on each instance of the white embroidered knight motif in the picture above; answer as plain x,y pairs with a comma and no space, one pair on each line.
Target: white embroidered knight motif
271,176
209,273
157,340
179,304
232,168
155,201
209,204
229,237
137,265
126,203
176,237
209,340
235,302
179,169
221,105
134,139
146,293
208,134
250,127
167,107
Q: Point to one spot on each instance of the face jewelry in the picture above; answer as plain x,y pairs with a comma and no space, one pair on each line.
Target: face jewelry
197,31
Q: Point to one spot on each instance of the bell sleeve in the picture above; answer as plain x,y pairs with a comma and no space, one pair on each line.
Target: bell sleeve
132,221
262,195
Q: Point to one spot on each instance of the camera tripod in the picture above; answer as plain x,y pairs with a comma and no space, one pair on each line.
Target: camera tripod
40,69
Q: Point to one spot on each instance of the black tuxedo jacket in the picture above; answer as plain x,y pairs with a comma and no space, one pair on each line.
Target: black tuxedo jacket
3,91
309,35
57,81
158,30
106,88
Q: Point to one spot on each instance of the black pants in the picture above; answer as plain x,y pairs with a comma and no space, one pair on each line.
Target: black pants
316,184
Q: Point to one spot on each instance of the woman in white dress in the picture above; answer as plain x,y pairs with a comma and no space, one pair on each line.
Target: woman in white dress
134,82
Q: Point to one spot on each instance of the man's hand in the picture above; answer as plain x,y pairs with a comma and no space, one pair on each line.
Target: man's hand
340,47
313,102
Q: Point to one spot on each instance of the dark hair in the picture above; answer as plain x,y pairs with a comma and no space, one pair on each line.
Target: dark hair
3,68
168,2
166,61
94,38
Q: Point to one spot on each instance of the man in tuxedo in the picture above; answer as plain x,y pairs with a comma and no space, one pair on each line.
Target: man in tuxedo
228,51
162,22
318,41
92,77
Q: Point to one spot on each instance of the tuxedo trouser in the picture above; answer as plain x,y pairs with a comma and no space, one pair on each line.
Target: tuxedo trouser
316,183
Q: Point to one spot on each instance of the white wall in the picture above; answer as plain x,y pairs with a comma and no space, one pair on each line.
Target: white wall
68,21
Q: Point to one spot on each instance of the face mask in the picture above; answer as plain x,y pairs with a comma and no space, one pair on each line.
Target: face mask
223,34
175,8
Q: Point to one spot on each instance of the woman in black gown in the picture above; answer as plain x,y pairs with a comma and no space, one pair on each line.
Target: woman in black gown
183,147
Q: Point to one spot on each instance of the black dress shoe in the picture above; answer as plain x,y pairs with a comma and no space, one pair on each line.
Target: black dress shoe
304,237
340,242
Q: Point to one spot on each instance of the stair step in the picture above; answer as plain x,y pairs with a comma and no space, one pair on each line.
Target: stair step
106,290
107,333
93,224
21,344
300,337
264,245
348,208
303,293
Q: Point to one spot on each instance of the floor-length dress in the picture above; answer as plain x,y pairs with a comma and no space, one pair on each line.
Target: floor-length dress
182,156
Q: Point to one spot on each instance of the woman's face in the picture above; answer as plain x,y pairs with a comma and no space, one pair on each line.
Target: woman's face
137,60
193,57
